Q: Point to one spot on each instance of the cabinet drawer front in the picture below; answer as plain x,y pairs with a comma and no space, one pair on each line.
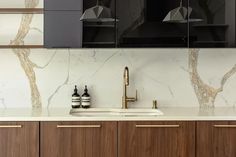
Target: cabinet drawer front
85,139
156,139
216,139
19,139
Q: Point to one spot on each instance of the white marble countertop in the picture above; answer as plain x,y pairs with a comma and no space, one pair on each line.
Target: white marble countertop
170,114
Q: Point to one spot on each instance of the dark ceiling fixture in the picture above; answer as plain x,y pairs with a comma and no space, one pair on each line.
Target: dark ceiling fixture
98,13
182,14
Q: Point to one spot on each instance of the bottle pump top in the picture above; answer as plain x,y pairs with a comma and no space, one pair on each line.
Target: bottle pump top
86,89
75,90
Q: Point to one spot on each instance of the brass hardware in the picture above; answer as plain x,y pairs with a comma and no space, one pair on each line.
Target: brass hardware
154,104
21,10
125,98
157,126
10,126
78,126
225,126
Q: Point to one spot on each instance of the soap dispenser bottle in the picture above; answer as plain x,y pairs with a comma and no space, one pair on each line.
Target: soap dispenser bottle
76,101
85,102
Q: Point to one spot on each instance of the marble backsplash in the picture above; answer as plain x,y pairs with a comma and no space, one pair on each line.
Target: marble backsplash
42,78
175,77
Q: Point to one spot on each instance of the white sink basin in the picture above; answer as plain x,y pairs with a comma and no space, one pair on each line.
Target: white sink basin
93,112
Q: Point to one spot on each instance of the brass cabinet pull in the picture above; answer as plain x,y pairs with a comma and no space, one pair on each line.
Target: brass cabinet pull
157,126
78,126
10,126
225,126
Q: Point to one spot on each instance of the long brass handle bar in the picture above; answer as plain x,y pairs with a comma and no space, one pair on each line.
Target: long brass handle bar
10,126
78,126
157,126
225,126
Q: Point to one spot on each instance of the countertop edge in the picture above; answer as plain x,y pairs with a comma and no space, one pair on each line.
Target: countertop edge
53,119
170,114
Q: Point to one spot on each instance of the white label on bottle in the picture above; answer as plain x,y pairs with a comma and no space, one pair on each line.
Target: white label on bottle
85,104
75,101
75,104
76,98
85,101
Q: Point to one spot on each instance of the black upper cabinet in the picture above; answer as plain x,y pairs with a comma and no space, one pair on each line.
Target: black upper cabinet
141,23
63,5
99,28
62,25
63,29
217,27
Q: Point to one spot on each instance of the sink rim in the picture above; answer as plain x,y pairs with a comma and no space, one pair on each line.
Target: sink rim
138,112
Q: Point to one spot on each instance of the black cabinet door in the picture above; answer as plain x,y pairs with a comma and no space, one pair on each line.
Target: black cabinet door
62,29
141,23
100,32
217,25
63,5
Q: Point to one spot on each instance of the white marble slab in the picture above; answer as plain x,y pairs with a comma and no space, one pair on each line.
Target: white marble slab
48,77
9,29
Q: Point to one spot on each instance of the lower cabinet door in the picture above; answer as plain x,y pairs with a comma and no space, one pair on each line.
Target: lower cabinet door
78,139
156,139
19,139
216,139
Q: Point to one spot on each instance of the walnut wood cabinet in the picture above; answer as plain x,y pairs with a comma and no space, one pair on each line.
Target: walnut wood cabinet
78,139
216,139
156,139
19,139
118,139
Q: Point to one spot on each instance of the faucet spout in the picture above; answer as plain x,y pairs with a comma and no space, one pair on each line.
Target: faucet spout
126,76
125,98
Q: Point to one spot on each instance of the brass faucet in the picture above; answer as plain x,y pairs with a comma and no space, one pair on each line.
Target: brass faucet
125,98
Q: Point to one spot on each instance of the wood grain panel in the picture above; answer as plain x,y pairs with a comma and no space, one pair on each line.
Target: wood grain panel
156,141
79,142
19,141
216,141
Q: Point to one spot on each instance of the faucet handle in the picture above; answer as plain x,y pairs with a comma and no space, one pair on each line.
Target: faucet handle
136,95
154,104
133,99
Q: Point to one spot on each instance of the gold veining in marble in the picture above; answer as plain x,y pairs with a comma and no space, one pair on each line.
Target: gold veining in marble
206,94
23,53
